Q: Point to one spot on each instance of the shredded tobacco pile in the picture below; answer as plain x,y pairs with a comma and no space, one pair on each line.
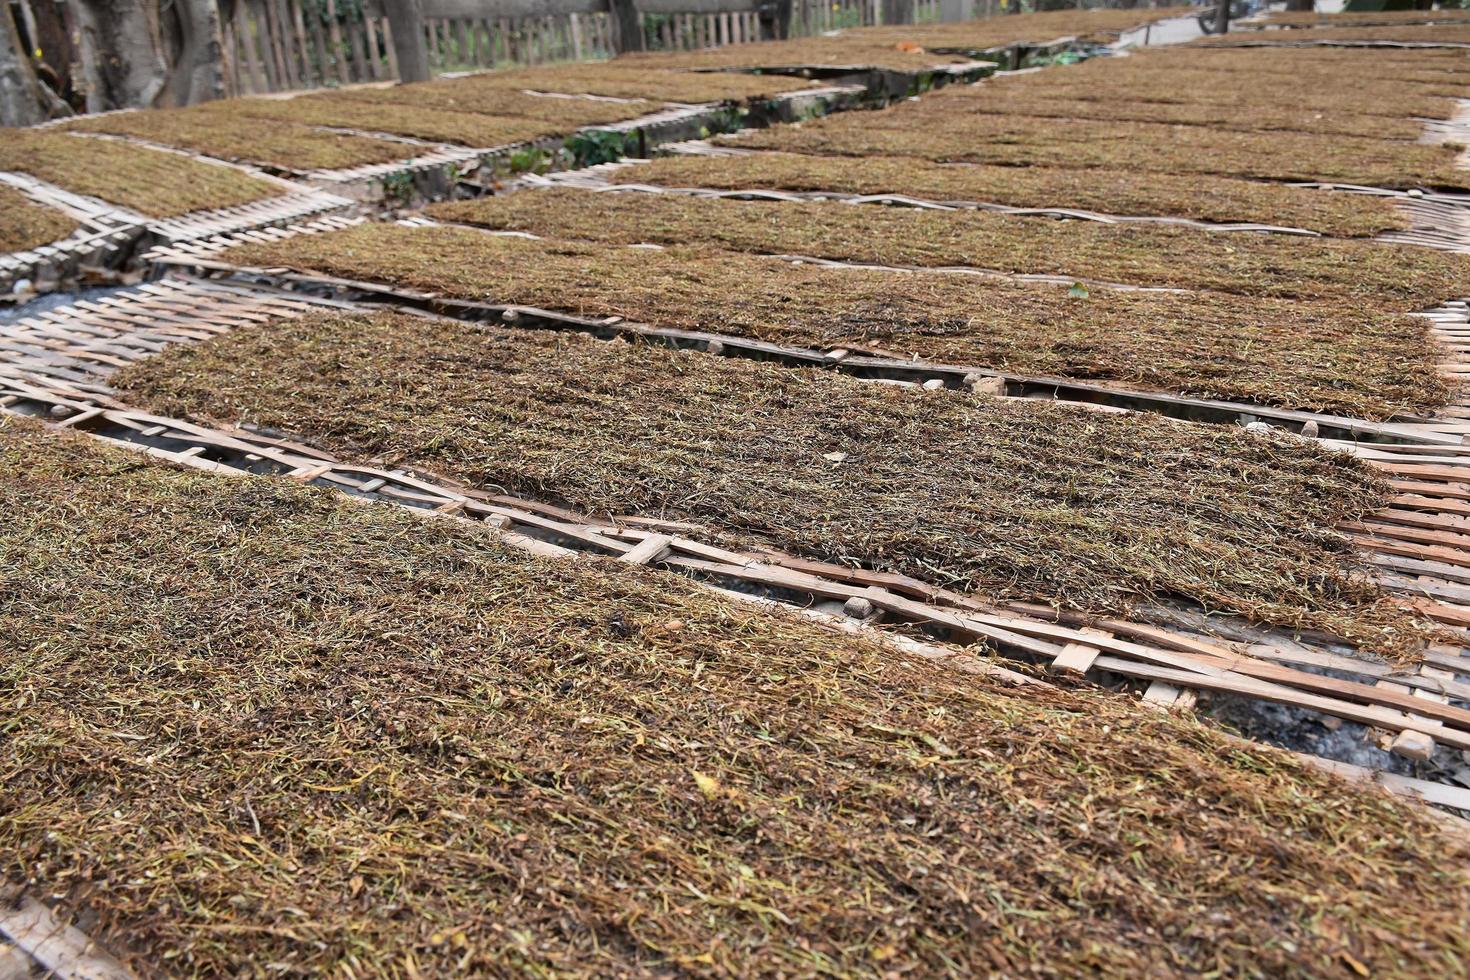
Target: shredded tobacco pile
1319,357
1211,88
1395,277
930,131
418,122
1127,192
221,131
1016,498
1370,18
1019,101
630,80
252,723
1449,34
1327,81
466,95
25,224
151,182
1420,66
475,111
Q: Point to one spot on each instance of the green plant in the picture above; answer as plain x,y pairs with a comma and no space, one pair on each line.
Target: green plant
593,146
529,160
398,187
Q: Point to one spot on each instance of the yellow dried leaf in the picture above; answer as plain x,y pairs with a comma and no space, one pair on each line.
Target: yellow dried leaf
708,785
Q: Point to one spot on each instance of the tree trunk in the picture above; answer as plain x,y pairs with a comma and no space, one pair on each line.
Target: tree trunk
898,11
192,31
49,25
24,100
406,18
783,19
122,53
627,32
1222,17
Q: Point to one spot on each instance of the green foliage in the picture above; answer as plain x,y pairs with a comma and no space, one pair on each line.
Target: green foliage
593,146
727,120
530,160
398,187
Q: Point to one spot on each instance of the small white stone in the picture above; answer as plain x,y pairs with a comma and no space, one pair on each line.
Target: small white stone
986,384
933,384
1412,745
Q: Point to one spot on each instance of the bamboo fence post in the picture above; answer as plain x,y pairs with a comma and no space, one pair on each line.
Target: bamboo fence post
356,31
298,21
334,38
575,24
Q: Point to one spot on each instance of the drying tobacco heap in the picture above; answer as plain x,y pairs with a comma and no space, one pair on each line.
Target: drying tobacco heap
1126,192
1425,68
418,122
1177,112
1392,277
630,79
25,224
1317,356
151,182
470,94
1211,85
221,130
1324,80
1017,100
921,130
1371,18
1020,499
250,722
1449,34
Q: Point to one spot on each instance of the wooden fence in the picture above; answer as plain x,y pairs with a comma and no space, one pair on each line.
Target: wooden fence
278,45
284,45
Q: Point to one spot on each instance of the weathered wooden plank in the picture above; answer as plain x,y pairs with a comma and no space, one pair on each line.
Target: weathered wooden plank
61,949
649,550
